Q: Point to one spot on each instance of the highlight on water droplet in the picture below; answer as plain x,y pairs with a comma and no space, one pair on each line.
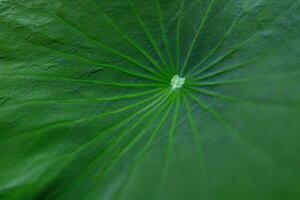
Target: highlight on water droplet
177,82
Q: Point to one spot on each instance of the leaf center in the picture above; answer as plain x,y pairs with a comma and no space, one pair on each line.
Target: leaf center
177,82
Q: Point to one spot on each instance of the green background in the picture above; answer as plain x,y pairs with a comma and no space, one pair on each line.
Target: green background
87,110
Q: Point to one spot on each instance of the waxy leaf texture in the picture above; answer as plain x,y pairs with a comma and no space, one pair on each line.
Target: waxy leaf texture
150,99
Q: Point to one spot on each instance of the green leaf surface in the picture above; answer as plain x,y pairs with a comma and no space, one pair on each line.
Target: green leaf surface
88,109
